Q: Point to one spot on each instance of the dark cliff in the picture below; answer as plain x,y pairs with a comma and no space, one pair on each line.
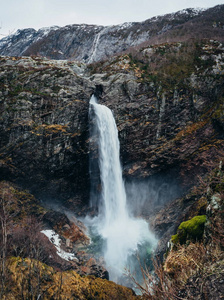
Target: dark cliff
167,103
169,115
44,126
167,100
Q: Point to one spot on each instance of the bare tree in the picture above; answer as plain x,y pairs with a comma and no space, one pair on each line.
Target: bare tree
5,220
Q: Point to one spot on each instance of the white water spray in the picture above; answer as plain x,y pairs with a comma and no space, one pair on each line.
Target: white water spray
121,232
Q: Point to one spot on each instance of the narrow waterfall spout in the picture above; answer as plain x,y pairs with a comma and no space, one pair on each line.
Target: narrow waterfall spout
95,45
121,232
113,191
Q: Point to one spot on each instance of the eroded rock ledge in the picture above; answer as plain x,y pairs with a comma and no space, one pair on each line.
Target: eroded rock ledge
169,117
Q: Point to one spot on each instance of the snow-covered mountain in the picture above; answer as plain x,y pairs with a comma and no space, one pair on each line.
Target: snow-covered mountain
89,43
17,43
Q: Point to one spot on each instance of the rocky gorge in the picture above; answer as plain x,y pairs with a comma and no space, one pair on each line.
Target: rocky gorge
167,100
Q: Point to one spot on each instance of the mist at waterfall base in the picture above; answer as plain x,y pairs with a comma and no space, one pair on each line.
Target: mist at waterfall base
147,196
122,235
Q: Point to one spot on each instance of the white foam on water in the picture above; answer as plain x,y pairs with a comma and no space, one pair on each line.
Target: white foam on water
121,232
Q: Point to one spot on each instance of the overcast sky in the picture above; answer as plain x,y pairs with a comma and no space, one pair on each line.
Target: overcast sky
18,14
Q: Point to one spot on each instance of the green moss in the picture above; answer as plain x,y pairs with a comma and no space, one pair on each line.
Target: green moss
190,230
175,239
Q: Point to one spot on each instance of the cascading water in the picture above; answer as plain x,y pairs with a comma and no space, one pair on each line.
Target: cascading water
122,233
95,45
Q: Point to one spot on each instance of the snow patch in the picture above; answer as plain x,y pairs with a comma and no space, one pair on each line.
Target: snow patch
172,16
46,30
126,25
56,241
192,11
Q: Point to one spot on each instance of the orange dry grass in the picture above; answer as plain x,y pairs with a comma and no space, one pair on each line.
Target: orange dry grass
184,262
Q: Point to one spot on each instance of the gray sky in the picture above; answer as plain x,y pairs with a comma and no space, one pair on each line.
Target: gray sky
18,14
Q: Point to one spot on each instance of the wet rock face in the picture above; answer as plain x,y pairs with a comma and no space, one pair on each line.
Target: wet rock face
89,43
86,43
72,233
44,126
167,126
168,121
161,125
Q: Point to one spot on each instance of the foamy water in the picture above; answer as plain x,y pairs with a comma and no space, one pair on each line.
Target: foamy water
121,232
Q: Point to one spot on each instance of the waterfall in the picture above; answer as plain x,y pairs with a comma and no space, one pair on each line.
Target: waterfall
95,45
121,232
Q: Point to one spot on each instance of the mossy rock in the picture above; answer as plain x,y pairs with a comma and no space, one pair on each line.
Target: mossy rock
192,230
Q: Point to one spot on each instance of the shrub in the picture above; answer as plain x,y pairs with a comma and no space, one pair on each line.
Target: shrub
190,230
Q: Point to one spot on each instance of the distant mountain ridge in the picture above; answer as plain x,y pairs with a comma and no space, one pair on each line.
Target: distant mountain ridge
89,43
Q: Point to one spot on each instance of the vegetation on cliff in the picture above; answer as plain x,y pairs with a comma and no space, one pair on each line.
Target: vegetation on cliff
30,265
168,103
31,279
192,229
193,267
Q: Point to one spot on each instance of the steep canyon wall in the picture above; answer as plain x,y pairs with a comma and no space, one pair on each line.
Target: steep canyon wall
169,116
